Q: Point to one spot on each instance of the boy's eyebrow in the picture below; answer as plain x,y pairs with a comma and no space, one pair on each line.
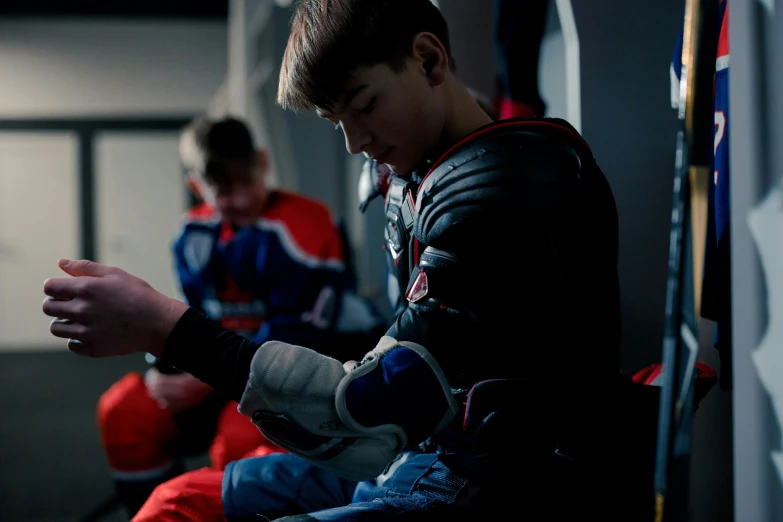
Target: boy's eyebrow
348,99
353,93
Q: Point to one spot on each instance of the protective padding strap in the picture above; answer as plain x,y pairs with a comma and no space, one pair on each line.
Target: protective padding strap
398,388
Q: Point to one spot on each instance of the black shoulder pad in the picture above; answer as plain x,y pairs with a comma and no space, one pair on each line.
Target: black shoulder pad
498,178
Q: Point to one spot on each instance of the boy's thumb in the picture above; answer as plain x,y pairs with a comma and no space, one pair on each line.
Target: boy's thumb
84,267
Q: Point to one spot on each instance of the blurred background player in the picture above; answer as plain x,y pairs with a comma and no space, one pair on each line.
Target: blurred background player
265,263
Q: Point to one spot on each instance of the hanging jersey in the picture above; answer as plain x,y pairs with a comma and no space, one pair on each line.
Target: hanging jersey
716,290
721,167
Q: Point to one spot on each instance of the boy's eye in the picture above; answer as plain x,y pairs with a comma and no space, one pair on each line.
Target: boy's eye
367,108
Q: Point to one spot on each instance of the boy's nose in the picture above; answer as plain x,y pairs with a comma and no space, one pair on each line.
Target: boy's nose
356,138
239,201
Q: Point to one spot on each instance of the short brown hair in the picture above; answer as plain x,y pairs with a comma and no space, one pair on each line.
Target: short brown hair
220,142
331,38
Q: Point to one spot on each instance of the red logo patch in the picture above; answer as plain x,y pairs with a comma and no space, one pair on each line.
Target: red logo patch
419,289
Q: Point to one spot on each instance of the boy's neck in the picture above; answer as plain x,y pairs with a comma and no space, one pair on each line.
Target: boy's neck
464,115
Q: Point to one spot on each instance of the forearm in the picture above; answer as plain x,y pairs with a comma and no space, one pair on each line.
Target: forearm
206,350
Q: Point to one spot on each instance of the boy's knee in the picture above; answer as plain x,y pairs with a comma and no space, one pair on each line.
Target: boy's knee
236,437
120,400
191,496
133,427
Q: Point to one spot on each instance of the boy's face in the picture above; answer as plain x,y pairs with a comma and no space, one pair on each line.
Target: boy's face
395,117
239,194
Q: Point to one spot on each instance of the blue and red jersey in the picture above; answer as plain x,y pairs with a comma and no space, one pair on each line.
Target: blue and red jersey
280,278
716,290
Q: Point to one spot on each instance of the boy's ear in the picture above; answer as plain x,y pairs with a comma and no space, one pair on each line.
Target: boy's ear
262,160
431,56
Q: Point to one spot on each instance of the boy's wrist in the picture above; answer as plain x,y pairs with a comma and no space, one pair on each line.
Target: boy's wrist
171,311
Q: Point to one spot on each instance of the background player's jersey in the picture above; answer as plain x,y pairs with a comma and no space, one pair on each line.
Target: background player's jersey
716,291
282,278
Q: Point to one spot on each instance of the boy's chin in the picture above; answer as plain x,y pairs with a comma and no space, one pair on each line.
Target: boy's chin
399,170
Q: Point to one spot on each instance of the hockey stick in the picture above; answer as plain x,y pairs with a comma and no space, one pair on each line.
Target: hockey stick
689,218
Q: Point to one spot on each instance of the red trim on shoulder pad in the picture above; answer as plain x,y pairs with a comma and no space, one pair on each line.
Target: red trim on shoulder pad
416,250
309,224
532,123
527,122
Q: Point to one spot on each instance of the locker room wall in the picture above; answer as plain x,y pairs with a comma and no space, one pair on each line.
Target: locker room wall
99,67
470,26
36,227
756,166
81,72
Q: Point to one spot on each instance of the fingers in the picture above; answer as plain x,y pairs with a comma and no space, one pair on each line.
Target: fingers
70,287
84,267
75,333
82,348
66,329
66,309
66,287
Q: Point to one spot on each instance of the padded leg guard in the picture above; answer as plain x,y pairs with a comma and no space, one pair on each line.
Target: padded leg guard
134,493
194,496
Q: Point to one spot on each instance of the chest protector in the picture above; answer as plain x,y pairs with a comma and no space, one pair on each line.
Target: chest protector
401,208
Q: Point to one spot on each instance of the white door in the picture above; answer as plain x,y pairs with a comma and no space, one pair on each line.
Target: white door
140,198
39,223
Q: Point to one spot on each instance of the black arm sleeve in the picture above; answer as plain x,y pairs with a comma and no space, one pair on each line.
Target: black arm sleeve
213,354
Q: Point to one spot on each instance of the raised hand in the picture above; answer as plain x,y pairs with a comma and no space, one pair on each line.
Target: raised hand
104,311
